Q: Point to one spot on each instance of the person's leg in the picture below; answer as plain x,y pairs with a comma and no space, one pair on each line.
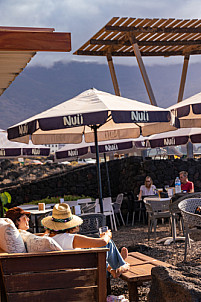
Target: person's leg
115,261
114,257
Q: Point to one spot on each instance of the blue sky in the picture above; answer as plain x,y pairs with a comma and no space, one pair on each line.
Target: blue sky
83,18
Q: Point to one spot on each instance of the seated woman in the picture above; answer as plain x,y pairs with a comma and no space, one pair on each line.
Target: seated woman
19,217
63,226
147,189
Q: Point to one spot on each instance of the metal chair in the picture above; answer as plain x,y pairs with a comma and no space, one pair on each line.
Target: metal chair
107,211
156,210
192,221
135,206
87,205
177,217
117,207
92,223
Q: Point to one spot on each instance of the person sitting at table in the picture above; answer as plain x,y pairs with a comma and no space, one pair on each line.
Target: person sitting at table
19,217
186,185
147,189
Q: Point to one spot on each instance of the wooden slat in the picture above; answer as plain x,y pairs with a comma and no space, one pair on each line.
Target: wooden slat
35,41
102,286
133,260
60,295
160,34
50,280
32,29
98,33
49,262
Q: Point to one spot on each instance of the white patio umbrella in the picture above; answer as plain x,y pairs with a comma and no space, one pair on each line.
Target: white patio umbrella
168,139
187,114
188,111
10,149
174,138
87,150
95,114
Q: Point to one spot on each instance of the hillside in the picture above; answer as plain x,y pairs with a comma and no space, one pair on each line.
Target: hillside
39,88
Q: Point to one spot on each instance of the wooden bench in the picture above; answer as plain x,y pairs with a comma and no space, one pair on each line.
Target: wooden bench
139,272
78,275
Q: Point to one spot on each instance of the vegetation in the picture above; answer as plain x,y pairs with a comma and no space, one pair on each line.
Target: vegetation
48,199
5,198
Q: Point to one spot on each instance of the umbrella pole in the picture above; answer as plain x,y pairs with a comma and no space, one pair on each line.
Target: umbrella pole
108,176
98,169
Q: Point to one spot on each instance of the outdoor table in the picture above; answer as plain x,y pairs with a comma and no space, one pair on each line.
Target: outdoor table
156,198
36,214
139,271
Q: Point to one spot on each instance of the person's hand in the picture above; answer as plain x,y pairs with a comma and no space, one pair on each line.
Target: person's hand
107,234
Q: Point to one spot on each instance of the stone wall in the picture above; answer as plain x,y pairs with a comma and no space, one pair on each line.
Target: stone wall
125,175
170,285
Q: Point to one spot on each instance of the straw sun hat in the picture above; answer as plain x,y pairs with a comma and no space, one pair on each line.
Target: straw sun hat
61,218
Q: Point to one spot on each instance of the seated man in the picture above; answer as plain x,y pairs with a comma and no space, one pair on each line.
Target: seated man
186,185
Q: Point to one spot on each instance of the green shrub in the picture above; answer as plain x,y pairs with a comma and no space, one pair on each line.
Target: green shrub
48,199
5,198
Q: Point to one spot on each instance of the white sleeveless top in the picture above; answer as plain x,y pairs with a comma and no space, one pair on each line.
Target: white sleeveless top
65,240
147,191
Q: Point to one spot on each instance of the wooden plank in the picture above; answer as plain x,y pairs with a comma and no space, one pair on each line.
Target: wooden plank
61,295
113,75
135,29
133,292
143,270
146,43
102,282
143,54
113,20
35,41
143,72
133,260
50,262
32,29
51,280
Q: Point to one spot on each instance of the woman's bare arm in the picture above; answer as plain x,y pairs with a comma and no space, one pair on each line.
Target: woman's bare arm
81,241
140,195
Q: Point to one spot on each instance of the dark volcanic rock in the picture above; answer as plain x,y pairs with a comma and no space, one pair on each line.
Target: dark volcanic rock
170,285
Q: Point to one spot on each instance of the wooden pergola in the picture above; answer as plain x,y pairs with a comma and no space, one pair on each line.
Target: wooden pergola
19,44
127,37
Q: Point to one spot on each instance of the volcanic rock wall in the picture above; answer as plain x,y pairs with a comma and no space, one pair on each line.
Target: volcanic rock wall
125,175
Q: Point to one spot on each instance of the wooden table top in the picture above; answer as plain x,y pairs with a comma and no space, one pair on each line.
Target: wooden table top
140,267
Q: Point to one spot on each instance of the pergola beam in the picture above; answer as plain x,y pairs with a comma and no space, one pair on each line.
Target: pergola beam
131,53
143,71
183,78
34,41
145,43
113,74
147,29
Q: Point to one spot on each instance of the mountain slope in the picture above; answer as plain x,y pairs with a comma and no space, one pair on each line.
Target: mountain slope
38,88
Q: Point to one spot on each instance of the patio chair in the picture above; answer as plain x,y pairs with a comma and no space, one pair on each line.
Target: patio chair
117,207
135,206
176,215
192,221
91,223
156,210
87,205
107,211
